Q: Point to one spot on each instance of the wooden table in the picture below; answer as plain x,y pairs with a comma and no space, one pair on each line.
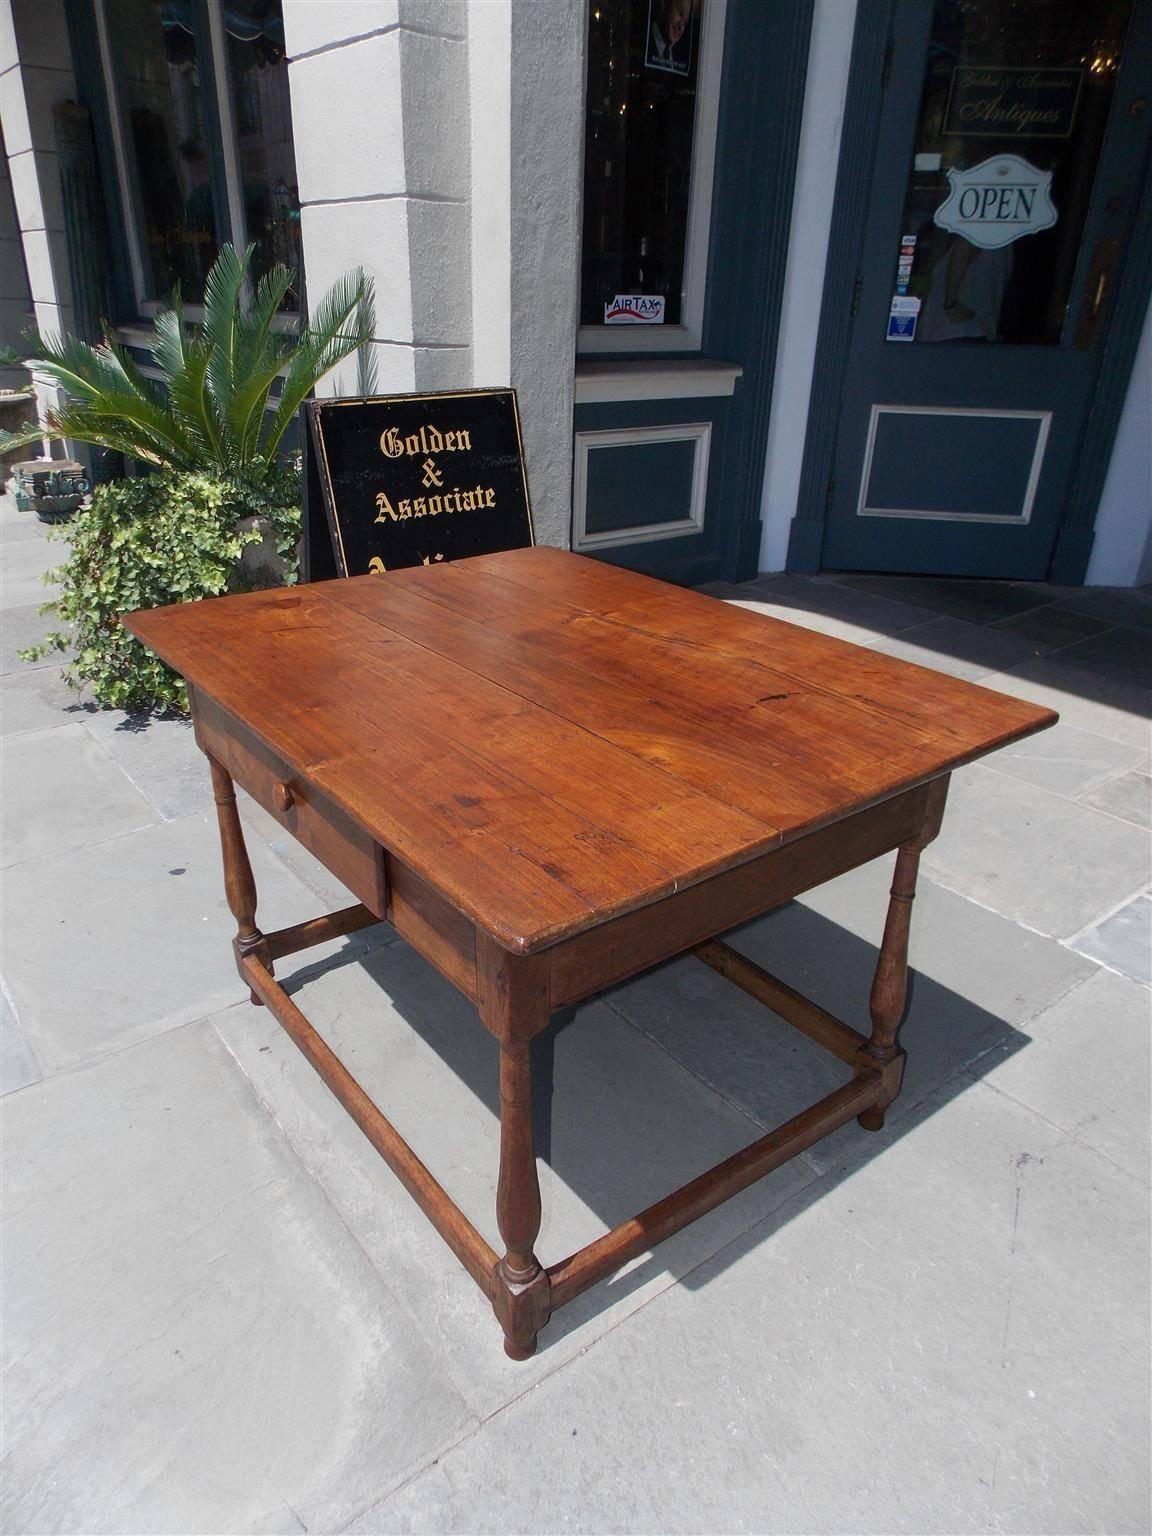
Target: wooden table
549,775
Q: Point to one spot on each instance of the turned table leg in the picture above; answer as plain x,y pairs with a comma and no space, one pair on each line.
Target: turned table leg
239,886
518,1204
513,1001
890,983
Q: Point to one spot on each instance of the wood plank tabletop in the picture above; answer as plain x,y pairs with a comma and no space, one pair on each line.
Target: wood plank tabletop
552,741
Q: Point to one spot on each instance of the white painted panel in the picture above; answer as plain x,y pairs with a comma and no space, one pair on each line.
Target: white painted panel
1027,500
685,379
699,433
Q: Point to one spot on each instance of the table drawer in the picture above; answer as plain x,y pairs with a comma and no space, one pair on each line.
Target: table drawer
300,808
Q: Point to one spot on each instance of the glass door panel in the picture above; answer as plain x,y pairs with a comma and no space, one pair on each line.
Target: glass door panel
1014,105
1011,149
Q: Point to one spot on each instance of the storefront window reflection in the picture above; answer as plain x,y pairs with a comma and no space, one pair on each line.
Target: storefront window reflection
262,118
161,93
207,130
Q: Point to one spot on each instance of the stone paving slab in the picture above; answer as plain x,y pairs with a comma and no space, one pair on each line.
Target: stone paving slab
960,647
193,1341
1118,605
628,1124
1066,760
1046,862
62,792
18,527
1044,682
159,754
981,602
26,560
111,943
1087,1069
37,698
833,609
1123,655
21,627
1122,940
18,1064
952,1338
1129,797
1087,689
1050,627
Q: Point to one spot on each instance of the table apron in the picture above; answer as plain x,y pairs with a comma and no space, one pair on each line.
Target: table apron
588,963
618,950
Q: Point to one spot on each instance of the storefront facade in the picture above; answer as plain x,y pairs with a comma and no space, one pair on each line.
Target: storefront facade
801,283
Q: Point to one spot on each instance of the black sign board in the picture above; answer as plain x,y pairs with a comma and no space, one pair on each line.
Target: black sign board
414,479
1002,102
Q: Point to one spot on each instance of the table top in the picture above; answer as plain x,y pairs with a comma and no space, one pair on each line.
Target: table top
552,741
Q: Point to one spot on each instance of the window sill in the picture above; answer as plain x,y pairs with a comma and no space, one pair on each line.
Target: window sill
599,383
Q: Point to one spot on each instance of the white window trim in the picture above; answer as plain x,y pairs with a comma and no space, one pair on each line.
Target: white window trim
696,378
697,432
687,337
1014,519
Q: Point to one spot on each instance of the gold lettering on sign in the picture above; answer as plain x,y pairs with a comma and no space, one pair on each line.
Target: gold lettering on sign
427,441
456,499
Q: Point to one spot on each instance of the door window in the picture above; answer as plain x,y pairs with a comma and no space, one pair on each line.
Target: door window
1013,111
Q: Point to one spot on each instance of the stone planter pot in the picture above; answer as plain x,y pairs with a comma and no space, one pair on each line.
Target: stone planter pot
15,410
52,488
260,565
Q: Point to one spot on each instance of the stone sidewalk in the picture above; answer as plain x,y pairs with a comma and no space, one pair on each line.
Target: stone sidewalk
222,1314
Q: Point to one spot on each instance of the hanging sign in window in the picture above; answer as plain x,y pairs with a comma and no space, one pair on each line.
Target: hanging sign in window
902,318
417,479
635,309
996,202
995,101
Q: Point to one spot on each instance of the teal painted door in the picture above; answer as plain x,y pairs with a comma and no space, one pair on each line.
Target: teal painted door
1012,144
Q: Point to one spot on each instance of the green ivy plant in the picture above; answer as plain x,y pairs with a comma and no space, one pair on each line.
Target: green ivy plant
210,430
169,537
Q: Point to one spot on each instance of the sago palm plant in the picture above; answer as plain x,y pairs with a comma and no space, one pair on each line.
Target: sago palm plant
212,409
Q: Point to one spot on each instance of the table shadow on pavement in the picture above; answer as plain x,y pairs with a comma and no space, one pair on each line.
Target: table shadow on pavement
747,1063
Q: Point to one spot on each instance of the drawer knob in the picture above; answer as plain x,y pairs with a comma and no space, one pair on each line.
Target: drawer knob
283,797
